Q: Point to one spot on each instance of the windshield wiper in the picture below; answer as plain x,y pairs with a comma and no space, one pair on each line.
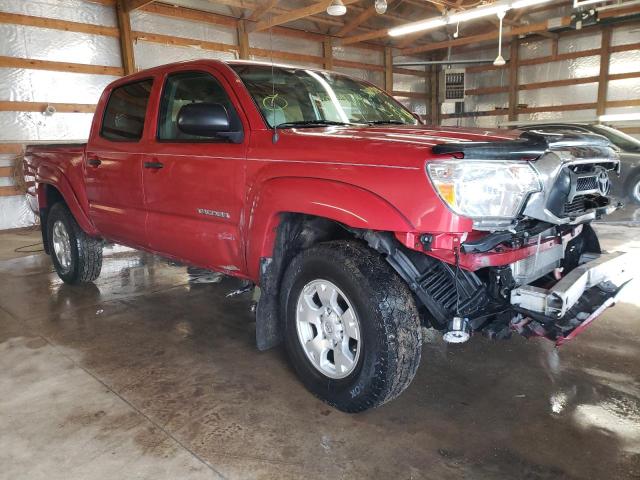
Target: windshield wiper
386,122
310,123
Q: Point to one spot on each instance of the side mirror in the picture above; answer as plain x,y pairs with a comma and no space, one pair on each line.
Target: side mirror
208,120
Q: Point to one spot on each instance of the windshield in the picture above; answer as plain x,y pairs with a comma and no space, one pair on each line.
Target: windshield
292,97
620,139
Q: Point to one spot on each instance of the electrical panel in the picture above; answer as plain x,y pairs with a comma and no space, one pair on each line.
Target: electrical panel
452,87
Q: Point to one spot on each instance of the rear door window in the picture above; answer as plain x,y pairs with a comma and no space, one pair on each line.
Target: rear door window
124,115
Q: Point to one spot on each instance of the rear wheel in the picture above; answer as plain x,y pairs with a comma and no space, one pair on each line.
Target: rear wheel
76,256
352,329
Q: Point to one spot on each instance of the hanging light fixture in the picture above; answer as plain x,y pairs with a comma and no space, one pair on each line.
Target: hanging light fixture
336,8
499,61
380,6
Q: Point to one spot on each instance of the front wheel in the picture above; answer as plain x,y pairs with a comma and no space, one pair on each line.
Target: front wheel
352,330
76,256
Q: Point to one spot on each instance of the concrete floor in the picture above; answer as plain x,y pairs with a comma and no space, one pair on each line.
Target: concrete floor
152,373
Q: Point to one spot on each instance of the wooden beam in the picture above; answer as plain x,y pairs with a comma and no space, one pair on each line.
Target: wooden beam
358,20
363,37
15,148
388,69
126,42
360,65
296,14
183,42
243,40
510,32
6,171
132,5
52,23
603,79
327,54
33,64
287,56
172,11
513,78
12,106
434,90
418,95
10,191
262,10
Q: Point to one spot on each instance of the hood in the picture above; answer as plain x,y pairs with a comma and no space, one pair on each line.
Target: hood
418,135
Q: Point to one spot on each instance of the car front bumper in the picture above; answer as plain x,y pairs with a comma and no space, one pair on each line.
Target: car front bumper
561,312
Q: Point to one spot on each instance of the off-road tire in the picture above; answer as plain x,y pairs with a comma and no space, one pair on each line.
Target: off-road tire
389,324
86,251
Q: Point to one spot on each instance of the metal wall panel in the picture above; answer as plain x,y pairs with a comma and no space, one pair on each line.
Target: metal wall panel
149,54
579,43
574,68
626,34
624,62
72,10
26,126
625,89
285,44
581,93
575,116
409,83
358,54
56,45
177,27
534,48
41,86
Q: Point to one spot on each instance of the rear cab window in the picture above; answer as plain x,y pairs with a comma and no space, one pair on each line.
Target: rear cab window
124,115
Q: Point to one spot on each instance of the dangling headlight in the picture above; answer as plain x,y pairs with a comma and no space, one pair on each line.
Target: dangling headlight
492,193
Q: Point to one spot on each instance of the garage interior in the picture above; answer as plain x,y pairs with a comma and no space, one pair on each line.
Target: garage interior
152,371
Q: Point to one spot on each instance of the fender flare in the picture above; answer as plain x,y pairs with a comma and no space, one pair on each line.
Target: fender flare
47,176
342,202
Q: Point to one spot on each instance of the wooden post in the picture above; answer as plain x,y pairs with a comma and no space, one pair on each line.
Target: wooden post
435,94
514,79
388,70
327,54
243,40
603,79
126,42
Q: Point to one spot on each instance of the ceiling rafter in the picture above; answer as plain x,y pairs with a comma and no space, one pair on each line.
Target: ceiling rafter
295,14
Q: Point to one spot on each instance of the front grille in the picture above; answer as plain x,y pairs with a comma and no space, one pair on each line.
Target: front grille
586,183
576,207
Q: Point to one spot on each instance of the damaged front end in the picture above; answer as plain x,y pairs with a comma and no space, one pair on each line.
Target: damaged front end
544,274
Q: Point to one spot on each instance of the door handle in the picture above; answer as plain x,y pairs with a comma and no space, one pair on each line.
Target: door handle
94,161
153,165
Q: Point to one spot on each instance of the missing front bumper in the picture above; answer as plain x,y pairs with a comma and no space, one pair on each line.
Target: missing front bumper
566,309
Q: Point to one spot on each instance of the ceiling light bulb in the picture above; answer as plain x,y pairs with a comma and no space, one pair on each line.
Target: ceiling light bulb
500,61
337,8
380,6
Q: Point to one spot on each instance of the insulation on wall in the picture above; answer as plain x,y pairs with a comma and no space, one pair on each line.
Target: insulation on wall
33,85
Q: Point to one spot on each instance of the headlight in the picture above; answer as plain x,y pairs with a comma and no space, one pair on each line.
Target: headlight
492,193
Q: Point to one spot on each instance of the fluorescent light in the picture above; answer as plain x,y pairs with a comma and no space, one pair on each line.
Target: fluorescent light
474,13
527,3
417,26
620,117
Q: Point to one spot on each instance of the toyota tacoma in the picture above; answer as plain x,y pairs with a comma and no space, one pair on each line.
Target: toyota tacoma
360,225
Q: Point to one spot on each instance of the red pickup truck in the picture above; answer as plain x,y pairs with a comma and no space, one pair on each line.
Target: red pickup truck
360,225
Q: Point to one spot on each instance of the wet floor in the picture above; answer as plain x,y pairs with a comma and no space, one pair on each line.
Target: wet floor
152,373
